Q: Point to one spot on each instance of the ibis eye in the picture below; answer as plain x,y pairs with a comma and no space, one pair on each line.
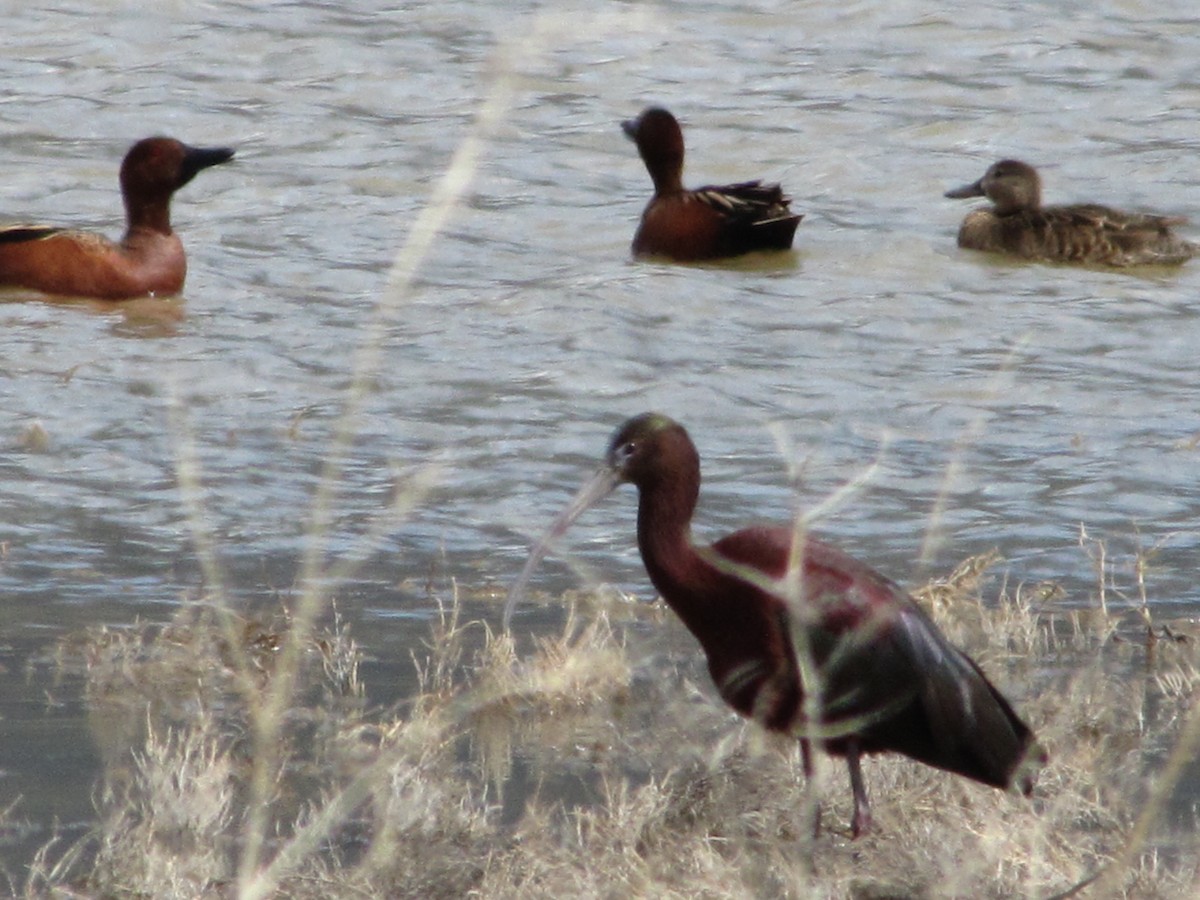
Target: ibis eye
625,452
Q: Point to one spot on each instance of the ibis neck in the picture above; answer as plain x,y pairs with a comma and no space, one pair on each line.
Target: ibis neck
665,537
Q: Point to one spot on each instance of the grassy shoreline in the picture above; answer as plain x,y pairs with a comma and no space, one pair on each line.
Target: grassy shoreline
598,762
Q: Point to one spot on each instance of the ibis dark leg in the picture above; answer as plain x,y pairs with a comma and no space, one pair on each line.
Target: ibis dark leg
861,823
806,762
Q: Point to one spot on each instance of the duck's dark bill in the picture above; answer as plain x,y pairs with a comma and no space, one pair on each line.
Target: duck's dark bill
974,189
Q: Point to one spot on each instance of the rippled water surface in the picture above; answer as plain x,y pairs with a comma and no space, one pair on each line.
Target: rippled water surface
1034,400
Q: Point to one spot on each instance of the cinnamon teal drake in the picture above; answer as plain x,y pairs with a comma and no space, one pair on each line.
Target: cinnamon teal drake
1018,224
711,222
148,260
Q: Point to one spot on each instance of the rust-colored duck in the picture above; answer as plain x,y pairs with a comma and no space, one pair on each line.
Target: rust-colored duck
713,222
148,260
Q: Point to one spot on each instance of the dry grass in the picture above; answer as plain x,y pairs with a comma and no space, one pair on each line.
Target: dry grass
597,764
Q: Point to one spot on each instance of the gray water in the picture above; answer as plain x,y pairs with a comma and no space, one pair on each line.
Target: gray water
1035,399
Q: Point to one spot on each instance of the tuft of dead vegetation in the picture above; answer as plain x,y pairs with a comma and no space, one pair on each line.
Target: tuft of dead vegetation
598,762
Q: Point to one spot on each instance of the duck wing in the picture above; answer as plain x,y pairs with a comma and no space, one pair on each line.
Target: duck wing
19,234
749,202
1100,234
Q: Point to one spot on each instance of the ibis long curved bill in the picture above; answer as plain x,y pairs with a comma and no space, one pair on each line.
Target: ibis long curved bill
600,485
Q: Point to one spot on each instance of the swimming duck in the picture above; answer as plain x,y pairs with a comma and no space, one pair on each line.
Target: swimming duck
1018,224
710,222
148,260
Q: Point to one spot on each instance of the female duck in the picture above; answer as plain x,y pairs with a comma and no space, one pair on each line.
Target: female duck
1018,224
710,222
149,259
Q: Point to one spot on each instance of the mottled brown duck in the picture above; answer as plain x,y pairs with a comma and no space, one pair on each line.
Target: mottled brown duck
1018,225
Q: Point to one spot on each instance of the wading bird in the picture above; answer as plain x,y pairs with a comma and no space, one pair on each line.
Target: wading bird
802,638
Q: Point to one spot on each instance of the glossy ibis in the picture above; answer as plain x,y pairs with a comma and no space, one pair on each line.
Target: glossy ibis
803,638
